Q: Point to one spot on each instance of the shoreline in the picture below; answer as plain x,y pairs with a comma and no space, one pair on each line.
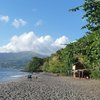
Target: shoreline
50,87
18,79
7,74
12,80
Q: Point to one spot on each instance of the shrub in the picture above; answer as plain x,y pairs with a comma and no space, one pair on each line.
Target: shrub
95,74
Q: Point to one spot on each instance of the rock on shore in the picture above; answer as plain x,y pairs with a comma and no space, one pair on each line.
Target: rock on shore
50,87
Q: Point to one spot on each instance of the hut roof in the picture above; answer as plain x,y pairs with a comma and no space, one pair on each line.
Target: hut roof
79,65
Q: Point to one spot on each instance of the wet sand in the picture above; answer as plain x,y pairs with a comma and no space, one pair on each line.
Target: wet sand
50,87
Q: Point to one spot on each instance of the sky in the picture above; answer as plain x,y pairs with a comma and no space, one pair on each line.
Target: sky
39,25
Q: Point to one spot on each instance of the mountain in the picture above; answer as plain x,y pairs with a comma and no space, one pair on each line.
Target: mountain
17,60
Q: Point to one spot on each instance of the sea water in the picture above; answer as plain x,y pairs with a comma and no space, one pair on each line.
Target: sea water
7,74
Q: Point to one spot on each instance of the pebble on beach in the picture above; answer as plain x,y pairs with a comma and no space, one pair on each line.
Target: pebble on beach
49,87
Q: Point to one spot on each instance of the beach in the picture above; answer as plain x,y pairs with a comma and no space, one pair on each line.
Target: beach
44,86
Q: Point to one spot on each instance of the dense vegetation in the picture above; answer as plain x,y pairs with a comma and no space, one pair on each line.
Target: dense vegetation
85,50
35,65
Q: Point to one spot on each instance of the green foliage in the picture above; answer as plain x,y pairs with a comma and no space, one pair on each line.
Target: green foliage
95,74
92,14
35,65
85,50
45,66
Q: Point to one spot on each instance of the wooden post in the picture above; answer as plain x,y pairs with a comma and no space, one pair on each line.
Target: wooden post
74,74
79,74
82,74
74,68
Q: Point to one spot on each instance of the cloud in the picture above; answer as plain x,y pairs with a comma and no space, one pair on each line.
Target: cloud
60,42
38,23
4,18
31,42
18,23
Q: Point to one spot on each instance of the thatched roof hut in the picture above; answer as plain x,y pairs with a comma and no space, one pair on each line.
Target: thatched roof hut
78,65
79,70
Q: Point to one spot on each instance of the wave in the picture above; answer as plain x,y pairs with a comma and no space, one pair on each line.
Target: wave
16,76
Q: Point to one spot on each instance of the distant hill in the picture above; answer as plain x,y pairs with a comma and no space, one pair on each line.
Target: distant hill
17,60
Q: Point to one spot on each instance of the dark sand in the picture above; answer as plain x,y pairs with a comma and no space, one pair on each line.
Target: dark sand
50,87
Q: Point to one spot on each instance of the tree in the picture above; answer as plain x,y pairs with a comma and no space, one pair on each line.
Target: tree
92,14
35,65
